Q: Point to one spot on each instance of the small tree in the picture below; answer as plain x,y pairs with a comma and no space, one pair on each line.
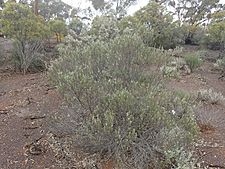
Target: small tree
20,23
58,27
193,13
155,24
23,26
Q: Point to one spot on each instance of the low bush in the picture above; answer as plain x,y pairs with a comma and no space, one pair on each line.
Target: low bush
170,71
128,116
28,56
175,68
210,96
193,61
220,63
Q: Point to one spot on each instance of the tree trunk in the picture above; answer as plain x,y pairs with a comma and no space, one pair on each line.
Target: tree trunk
57,37
36,7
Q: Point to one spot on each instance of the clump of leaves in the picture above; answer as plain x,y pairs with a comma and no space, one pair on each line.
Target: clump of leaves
193,61
126,111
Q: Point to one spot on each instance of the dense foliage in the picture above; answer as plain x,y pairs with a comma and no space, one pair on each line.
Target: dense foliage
126,109
157,27
19,22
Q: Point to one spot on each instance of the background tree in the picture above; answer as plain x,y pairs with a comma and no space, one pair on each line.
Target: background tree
27,31
215,37
58,27
20,23
36,7
156,26
119,6
51,9
193,13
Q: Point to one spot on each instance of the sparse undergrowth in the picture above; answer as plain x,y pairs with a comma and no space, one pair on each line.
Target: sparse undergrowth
210,96
193,61
180,65
220,64
128,115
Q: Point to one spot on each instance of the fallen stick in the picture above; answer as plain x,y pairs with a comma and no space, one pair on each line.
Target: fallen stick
35,117
4,111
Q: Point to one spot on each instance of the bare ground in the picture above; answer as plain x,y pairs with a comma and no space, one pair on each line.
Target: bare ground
212,149
25,103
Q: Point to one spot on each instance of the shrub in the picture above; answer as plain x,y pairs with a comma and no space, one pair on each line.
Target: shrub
210,96
193,61
184,159
104,27
177,52
175,68
127,113
170,71
220,63
28,56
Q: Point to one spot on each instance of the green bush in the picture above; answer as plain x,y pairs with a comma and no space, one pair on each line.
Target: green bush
104,27
127,114
28,56
193,61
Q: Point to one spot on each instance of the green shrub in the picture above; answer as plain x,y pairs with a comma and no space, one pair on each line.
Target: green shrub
127,114
170,71
104,27
193,61
28,56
